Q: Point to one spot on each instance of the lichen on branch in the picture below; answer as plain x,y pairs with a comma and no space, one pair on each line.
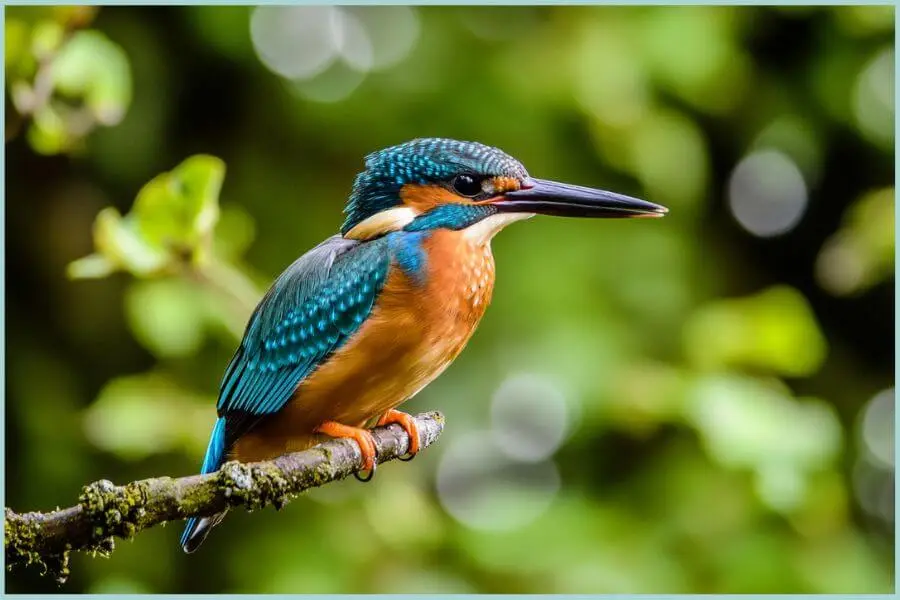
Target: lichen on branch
106,511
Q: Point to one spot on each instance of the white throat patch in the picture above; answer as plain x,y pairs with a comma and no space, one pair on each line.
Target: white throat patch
484,230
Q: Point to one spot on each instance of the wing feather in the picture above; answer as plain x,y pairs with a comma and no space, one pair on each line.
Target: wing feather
307,314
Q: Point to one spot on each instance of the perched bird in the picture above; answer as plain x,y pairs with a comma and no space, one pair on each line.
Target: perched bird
369,317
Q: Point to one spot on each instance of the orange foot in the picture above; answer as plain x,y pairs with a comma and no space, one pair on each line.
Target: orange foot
362,437
408,423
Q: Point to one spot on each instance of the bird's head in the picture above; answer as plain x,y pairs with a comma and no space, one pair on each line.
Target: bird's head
439,183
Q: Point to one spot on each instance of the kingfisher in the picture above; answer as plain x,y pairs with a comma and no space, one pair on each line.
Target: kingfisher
369,317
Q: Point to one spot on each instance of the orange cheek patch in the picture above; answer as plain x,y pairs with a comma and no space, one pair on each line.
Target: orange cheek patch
425,197
501,185
505,184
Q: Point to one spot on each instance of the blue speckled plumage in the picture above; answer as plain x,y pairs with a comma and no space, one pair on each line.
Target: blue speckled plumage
421,161
307,314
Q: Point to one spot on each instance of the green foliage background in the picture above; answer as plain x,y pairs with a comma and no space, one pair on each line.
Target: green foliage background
715,382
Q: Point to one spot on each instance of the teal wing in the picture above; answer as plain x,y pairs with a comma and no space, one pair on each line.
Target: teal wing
307,314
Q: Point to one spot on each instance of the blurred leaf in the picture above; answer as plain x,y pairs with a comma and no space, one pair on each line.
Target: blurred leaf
179,209
693,52
118,243
781,487
117,238
93,68
173,217
93,266
46,38
141,415
861,253
774,330
48,133
65,80
747,423
15,45
873,99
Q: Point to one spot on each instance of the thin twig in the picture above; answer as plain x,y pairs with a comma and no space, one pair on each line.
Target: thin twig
31,99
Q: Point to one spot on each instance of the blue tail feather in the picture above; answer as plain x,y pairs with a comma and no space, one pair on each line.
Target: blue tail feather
197,528
216,448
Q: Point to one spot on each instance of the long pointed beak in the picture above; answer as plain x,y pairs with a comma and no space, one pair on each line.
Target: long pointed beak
561,199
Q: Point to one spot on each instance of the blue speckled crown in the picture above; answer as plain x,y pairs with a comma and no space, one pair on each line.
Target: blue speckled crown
421,161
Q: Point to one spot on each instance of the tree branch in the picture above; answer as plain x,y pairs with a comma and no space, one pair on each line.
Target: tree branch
105,511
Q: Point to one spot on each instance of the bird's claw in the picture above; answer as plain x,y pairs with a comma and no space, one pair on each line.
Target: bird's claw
366,442
362,437
365,479
408,423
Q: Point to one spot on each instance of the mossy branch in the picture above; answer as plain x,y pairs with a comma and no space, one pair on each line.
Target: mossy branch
106,511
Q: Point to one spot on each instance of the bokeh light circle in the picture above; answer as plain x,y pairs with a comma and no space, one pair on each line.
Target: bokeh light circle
529,417
391,32
877,430
296,42
353,42
485,489
326,51
767,193
873,98
874,490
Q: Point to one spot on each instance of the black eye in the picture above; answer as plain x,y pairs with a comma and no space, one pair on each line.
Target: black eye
466,185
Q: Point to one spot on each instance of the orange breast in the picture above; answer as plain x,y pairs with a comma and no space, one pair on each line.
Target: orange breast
414,332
